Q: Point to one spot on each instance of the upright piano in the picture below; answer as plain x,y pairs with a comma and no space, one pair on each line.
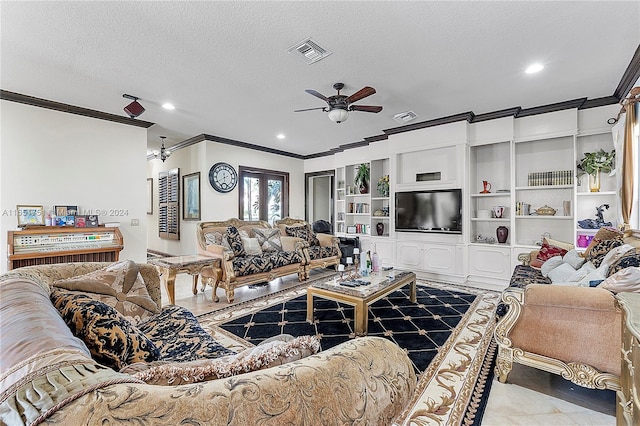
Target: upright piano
59,244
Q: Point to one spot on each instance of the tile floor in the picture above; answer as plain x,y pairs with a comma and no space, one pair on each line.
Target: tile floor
531,397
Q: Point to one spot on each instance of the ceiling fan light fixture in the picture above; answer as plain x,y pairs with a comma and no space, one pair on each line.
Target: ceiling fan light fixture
338,115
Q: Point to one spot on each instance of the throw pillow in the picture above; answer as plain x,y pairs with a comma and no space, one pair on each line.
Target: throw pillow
269,238
235,241
112,340
603,234
627,279
550,264
601,248
562,274
632,237
549,250
217,238
616,253
120,286
561,244
273,353
180,337
628,260
597,274
251,246
305,232
574,259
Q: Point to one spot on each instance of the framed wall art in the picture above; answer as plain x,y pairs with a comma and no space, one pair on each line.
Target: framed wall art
30,215
191,196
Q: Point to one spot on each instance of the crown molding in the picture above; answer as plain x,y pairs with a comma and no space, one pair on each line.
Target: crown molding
71,109
247,145
630,76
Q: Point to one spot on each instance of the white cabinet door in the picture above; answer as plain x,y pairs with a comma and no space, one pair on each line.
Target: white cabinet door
490,262
440,259
409,255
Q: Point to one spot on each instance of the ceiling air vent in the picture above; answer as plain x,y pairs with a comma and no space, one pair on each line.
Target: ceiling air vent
404,117
310,50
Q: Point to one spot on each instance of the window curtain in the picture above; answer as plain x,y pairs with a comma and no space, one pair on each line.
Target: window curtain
629,179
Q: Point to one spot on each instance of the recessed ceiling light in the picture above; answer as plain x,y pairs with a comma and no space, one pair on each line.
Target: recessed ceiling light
167,105
280,136
534,68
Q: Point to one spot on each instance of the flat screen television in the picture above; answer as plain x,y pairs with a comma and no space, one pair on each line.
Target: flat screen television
435,211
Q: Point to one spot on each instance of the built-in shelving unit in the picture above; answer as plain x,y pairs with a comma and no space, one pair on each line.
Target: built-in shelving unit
587,202
359,214
489,163
544,176
528,162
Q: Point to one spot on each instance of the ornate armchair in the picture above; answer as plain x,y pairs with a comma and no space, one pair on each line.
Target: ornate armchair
321,255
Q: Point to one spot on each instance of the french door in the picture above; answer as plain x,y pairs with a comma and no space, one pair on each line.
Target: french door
264,194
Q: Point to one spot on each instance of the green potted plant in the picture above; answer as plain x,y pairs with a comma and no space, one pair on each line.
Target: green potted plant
595,162
362,177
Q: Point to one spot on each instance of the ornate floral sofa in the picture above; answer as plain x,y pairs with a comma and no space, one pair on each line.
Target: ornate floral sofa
47,375
566,328
253,252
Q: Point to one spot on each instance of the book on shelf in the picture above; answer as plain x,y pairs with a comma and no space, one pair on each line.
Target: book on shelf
112,224
558,177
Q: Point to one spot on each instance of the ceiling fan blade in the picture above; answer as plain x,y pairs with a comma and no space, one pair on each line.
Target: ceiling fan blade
360,94
308,109
317,95
365,108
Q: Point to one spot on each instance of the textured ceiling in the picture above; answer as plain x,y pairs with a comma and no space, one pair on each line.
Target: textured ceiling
225,67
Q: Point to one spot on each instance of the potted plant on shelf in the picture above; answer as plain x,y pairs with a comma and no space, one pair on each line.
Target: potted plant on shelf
383,186
595,162
361,179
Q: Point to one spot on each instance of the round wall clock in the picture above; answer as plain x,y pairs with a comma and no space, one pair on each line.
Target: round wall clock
223,177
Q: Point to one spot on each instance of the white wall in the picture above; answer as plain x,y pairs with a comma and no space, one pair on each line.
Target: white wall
53,158
214,205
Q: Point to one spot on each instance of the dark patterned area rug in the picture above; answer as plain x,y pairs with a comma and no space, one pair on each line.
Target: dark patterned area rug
420,328
447,335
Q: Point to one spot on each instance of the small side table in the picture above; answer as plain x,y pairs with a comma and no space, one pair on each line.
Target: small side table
169,267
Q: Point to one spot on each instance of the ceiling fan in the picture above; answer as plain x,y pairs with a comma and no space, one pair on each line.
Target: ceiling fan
340,105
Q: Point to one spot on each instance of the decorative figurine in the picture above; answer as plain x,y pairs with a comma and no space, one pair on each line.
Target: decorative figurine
598,222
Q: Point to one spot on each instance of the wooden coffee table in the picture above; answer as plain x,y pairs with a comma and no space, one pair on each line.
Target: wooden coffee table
381,284
169,267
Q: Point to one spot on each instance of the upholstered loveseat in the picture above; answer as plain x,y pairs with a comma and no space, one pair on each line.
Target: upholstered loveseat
568,328
252,252
47,375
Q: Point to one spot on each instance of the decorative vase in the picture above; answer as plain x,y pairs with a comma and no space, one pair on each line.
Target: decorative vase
502,232
364,187
582,241
594,182
380,228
